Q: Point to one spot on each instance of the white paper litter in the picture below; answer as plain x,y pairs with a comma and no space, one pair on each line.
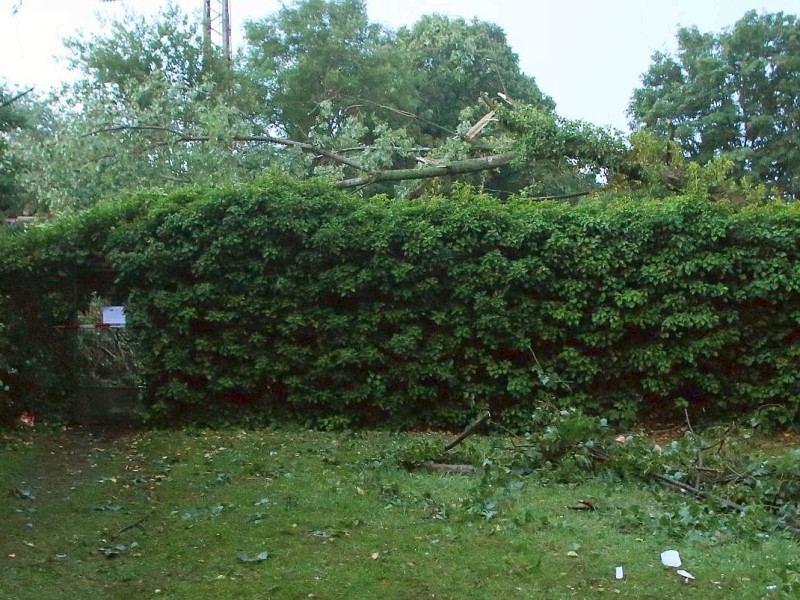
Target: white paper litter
671,558
619,573
685,574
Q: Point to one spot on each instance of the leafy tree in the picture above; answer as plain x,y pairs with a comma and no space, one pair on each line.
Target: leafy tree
12,118
407,101
124,60
454,61
321,91
559,156
654,167
149,109
318,63
732,95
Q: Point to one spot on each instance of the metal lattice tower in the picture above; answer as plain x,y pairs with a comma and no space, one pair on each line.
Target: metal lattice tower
217,25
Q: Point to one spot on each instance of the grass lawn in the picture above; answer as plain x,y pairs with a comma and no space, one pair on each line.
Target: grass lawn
168,514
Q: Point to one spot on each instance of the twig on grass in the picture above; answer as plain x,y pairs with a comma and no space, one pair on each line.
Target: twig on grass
433,467
136,523
696,492
698,463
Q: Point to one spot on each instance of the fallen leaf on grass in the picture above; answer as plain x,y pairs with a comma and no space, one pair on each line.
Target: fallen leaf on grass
256,518
108,507
251,558
24,494
115,551
320,533
583,505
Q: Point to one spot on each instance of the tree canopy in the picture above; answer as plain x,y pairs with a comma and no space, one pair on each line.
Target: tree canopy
14,115
143,86
733,94
452,60
318,89
316,64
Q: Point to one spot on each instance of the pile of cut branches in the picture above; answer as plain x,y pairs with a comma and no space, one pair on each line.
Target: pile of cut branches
724,468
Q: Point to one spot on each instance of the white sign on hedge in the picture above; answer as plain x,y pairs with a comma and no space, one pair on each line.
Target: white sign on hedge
114,316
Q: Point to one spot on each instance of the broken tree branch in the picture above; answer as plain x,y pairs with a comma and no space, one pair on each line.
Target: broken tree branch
601,455
262,139
468,431
458,167
697,493
475,130
15,98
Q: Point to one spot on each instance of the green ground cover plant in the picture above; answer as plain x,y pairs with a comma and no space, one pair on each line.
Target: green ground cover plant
298,514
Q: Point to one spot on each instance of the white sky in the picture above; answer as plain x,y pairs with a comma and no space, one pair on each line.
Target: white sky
587,55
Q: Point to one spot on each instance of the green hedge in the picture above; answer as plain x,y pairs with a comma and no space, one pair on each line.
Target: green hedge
291,296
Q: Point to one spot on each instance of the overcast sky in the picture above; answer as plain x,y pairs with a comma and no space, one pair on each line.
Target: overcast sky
588,55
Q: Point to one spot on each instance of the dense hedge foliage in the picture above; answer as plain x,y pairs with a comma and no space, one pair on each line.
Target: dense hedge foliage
291,296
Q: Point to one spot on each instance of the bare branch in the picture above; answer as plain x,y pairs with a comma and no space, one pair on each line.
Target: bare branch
468,431
133,128
432,467
305,147
564,196
408,115
264,139
15,98
361,148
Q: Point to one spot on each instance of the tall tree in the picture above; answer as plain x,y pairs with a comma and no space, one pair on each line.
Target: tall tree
734,94
318,63
14,115
319,90
148,109
331,77
454,61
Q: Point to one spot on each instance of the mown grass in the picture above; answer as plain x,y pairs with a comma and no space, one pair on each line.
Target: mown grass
338,521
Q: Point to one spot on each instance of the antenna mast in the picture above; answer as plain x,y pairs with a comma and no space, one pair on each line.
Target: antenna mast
217,25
